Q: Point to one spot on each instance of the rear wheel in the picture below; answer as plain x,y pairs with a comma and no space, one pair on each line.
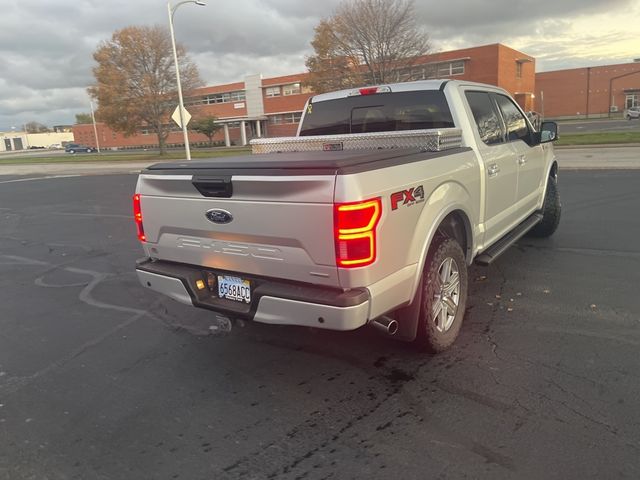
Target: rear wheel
551,211
444,295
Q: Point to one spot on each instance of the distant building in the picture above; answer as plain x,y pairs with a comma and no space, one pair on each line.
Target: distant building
588,92
12,141
258,107
62,128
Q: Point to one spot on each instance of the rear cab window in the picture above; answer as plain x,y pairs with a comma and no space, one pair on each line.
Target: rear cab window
382,112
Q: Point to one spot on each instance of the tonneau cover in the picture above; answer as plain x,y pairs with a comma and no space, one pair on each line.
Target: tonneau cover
301,163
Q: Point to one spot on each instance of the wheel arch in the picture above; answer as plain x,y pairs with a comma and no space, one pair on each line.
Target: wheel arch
553,170
552,173
454,220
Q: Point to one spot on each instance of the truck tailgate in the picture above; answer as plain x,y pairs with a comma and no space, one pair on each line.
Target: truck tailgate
282,226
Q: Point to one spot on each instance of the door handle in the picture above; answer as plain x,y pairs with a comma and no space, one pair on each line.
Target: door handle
493,170
522,159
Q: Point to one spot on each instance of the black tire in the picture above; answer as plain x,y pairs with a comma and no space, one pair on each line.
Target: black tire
72,151
437,332
89,150
551,211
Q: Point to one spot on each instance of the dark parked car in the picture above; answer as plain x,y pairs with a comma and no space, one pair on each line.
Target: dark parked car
75,148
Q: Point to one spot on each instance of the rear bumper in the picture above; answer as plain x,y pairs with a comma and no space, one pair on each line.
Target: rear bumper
272,301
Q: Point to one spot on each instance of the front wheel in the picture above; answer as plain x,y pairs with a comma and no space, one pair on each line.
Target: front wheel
551,211
444,295
89,150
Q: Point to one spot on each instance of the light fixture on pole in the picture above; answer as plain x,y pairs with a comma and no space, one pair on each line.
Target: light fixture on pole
171,10
95,129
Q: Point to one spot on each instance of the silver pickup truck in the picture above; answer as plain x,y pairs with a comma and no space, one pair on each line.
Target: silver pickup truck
370,215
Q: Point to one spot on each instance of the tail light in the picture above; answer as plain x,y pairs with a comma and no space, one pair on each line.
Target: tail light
137,216
355,232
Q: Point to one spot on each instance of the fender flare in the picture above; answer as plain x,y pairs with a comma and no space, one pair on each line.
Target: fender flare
552,172
408,317
444,213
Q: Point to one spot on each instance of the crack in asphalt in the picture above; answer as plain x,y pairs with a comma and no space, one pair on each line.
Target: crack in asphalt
13,384
582,251
394,381
494,314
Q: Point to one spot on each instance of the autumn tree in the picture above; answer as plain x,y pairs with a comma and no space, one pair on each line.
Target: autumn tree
36,127
206,126
330,69
82,118
366,41
136,80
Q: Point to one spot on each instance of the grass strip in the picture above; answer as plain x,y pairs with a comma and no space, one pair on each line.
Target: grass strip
138,156
604,138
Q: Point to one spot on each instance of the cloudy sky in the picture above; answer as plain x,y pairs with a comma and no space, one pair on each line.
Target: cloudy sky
46,45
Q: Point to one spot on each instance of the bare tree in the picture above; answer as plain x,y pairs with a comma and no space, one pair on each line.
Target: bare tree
136,80
375,40
36,127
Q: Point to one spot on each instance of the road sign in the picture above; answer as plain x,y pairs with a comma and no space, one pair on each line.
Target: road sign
185,115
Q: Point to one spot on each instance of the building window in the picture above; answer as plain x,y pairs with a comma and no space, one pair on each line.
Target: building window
450,68
283,118
291,89
226,97
632,100
518,69
272,92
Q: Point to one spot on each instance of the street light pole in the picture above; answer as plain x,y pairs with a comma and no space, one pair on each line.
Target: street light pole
171,10
95,129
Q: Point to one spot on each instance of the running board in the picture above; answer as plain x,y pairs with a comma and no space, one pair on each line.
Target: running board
498,248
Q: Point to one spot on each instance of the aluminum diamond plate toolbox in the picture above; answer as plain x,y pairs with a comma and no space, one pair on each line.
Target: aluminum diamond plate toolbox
428,140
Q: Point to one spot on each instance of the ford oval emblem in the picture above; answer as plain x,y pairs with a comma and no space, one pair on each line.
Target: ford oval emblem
217,215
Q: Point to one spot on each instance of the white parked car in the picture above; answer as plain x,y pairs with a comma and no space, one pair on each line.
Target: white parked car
633,112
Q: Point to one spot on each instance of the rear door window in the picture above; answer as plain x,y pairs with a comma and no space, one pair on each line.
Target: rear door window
382,112
486,117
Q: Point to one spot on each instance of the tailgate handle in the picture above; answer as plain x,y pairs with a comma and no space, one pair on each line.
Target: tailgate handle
219,187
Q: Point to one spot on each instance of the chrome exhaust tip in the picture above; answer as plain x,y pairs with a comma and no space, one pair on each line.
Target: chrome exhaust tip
386,325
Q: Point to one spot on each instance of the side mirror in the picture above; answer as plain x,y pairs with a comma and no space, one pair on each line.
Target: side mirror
548,132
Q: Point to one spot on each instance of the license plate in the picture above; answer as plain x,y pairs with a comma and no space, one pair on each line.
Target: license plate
234,288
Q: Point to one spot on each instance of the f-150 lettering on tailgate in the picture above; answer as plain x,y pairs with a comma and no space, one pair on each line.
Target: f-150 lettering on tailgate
231,248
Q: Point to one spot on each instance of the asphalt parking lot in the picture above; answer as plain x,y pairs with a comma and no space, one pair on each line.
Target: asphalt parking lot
101,379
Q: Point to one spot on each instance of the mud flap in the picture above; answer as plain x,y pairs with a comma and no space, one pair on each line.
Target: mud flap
409,317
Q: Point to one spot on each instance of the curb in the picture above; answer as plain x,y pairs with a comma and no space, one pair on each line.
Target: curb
596,145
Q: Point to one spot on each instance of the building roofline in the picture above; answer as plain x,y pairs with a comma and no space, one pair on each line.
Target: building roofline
608,65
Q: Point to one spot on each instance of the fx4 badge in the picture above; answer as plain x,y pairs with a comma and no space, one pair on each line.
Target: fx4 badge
407,197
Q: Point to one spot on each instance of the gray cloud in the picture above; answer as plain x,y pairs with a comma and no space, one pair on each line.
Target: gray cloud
46,47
